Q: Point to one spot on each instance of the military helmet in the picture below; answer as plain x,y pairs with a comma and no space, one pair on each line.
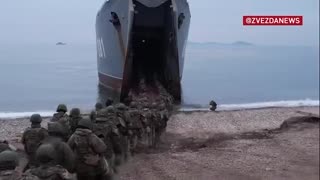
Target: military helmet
110,109
8,160
75,112
62,107
85,123
121,106
109,102
46,153
98,106
133,105
36,119
55,128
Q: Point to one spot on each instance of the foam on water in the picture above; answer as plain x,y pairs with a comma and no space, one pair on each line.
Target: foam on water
229,107
12,115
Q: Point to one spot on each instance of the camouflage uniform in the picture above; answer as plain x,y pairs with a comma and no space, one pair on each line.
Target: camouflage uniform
32,137
48,169
148,126
75,117
93,116
122,126
89,150
135,128
106,129
65,156
62,117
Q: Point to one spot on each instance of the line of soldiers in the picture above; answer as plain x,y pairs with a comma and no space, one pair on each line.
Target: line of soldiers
79,147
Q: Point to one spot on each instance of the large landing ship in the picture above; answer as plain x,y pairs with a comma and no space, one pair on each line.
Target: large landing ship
142,39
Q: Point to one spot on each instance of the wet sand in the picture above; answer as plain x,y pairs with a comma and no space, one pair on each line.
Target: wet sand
245,144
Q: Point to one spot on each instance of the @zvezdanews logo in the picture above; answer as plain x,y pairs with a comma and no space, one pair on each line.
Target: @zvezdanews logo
272,20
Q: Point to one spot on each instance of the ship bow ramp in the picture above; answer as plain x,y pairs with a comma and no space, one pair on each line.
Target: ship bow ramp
142,39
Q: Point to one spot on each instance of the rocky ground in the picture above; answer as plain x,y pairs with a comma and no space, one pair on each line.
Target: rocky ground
223,145
232,145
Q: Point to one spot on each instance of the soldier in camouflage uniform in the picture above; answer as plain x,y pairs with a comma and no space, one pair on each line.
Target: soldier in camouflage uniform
56,139
105,127
213,105
48,169
32,137
148,126
62,117
98,106
109,102
89,151
123,117
135,128
75,117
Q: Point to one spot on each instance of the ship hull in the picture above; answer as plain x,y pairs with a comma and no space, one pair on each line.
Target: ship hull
142,38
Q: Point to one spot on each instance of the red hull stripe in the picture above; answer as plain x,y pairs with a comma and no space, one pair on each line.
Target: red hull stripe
110,82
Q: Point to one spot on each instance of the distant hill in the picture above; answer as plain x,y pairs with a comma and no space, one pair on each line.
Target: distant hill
60,44
242,43
237,43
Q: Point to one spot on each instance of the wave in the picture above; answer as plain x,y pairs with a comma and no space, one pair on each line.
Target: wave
13,115
258,105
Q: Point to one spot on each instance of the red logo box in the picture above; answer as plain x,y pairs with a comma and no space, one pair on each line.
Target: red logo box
272,20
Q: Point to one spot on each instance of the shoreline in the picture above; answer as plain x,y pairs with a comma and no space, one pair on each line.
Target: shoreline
175,111
11,128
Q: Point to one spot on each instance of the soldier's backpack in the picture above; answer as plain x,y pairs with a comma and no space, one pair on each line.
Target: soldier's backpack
29,176
135,120
74,123
33,139
50,173
8,175
85,152
63,119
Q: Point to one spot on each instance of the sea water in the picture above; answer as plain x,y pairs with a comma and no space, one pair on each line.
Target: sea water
37,77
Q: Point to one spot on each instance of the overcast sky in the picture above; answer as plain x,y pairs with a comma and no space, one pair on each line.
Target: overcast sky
72,21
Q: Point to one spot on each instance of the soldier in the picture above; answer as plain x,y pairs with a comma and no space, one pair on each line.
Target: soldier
93,116
98,106
164,117
48,169
32,137
75,117
123,116
89,150
56,138
213,105
62,117
148,126
135,128
105,128
109,102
